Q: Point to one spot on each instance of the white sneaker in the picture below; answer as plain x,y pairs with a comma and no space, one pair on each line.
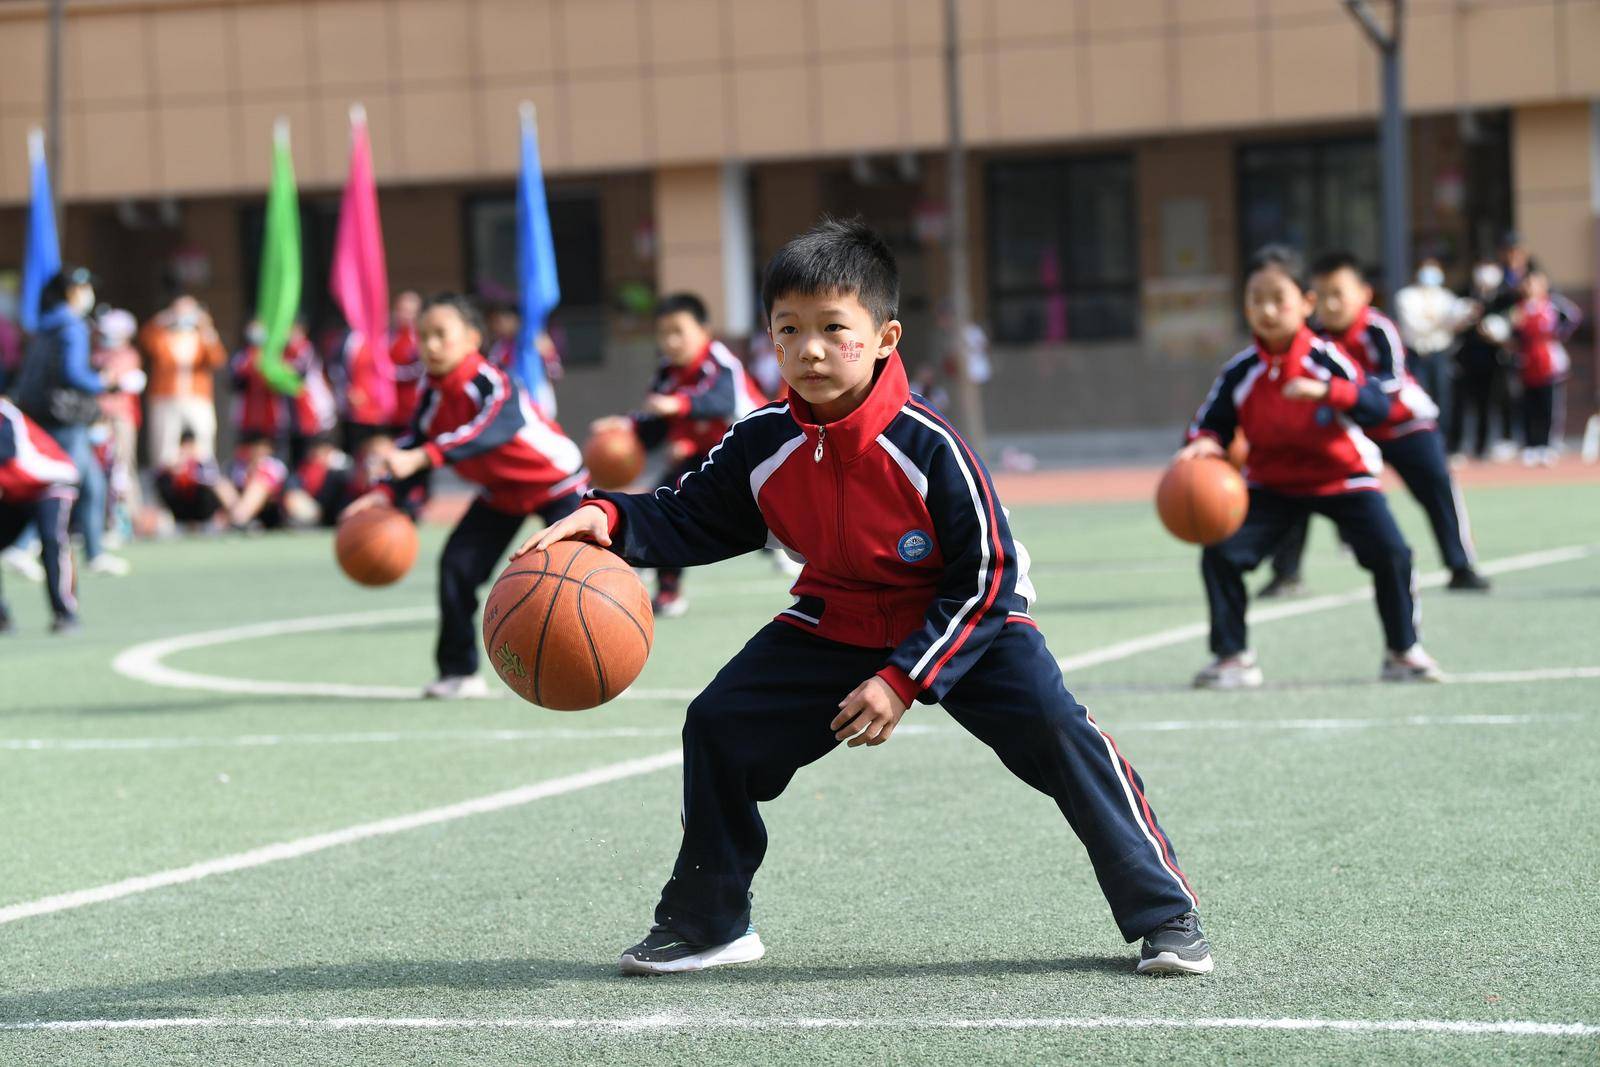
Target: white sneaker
786,565
106,563
664,952
670,606
457,687
1503,452
25,563
1530,457
1230,672
1412,665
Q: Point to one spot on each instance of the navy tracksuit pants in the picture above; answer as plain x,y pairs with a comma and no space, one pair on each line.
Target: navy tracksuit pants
475,546
1420,461
766,715
49,517
1364,523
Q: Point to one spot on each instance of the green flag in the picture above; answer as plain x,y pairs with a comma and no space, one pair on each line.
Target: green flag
278,293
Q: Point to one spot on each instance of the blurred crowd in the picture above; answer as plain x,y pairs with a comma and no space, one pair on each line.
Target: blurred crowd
135,408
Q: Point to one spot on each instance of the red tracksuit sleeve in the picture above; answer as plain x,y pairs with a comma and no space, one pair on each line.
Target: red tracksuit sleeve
709,516
978,587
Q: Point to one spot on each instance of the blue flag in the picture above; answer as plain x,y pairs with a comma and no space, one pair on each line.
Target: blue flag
42,260
538,287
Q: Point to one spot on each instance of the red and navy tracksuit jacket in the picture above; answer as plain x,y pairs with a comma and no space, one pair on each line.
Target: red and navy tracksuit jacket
1373,341
32,465
1541,327
1297,447
904,543
713,392
476,419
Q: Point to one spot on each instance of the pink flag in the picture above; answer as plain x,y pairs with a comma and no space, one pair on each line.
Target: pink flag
359,280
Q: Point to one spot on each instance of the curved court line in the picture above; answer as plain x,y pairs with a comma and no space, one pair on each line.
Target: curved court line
144,662
380,737
672,1021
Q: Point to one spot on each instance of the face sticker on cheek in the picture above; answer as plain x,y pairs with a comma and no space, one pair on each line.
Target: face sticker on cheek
850,351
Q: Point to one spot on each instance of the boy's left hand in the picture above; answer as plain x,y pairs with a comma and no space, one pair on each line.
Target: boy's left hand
1305,389
869,714
402,463
662,405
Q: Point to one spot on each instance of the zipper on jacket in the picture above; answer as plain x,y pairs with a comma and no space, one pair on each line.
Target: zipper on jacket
822,435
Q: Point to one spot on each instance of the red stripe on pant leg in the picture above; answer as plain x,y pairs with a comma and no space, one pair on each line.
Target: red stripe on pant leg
1149,816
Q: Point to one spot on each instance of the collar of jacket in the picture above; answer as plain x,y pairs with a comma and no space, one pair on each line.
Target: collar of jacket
1353,338
856,432
1297,350
461,374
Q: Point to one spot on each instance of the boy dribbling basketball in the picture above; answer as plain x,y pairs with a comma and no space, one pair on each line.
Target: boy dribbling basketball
472,416
912,589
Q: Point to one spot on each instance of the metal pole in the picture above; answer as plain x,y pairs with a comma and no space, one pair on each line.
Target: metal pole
969,405
1392,146
1396,167
53,103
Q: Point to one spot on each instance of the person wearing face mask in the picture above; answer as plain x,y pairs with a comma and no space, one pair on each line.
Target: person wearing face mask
1428,315
183,354
59,390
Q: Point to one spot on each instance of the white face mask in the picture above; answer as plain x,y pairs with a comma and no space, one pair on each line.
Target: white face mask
1430,275
255,335
83,300
1487,276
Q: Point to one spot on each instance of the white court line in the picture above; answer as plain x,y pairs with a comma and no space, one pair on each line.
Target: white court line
144,662
498,801
1179,634
679,1021
304,846
139,744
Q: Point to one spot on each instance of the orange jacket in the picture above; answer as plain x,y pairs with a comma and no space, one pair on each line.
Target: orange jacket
168,378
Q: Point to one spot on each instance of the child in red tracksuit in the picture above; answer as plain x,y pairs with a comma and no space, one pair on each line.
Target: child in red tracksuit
913,589
472,416
38,486
1303,405
700,389
1543,320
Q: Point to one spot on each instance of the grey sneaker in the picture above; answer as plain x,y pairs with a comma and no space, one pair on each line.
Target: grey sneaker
1177,946
1238,671
665,952
1282,587
1412,665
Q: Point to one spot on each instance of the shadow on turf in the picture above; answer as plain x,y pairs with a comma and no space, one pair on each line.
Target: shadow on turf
173,997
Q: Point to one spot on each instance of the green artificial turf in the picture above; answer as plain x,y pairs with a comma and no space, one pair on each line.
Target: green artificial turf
1435,860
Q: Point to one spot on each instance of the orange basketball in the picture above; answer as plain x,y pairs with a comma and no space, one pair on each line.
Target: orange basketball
568,628
614,458
1202,501
376,546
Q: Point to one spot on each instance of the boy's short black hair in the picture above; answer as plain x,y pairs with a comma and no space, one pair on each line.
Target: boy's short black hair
1330,262
673,303
250,440
1280,258
460,304
836,256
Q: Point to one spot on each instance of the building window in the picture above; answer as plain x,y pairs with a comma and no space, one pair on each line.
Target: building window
578,325
1316,197
1063,250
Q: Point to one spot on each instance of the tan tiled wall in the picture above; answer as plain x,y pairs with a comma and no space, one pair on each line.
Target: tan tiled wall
178,97
1550,164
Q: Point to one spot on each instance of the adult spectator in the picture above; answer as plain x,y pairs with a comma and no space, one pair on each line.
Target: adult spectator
1428,315
60,391
183,354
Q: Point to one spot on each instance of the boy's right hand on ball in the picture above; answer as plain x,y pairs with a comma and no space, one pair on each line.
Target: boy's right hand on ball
361,503
588,523
1199,448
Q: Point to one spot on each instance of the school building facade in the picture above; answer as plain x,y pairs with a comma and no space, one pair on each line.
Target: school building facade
1124,154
